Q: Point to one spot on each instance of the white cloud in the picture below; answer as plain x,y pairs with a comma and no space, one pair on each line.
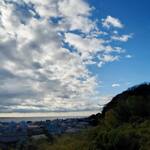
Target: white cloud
43,63
115,85
111,21
74,8
108,58
84,45
75,15
128,56
122,38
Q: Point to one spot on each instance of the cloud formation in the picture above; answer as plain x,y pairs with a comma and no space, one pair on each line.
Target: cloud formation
114,85
122,38
128,56
111,21
45,48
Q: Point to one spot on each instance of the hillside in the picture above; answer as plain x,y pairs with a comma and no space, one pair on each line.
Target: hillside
135,102
125,121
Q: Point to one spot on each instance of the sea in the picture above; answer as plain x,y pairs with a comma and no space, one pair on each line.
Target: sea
18,117
33,119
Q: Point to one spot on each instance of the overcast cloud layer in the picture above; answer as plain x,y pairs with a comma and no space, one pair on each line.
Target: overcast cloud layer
45,50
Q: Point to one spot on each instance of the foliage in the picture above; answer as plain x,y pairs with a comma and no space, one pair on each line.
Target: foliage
124,137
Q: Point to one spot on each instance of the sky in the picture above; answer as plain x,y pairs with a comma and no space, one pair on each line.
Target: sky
70,55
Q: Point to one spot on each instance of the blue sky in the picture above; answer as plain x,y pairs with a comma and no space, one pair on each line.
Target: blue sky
70,55
135,16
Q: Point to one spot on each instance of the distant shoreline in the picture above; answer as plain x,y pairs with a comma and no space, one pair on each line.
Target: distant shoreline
34,119
49,114
45,116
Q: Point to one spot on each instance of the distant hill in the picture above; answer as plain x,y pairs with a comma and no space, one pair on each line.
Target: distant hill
133,103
